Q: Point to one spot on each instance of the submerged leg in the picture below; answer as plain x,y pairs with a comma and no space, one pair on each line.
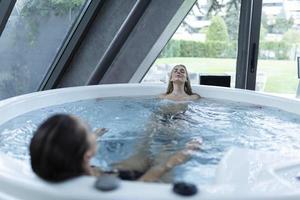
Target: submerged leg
139,161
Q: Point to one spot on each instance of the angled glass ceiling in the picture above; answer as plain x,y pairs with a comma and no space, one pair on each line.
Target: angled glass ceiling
33,35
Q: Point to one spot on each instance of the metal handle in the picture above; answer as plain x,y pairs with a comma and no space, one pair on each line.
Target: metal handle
253,55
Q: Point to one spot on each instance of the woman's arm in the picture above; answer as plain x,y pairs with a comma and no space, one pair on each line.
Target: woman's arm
156,172
162,96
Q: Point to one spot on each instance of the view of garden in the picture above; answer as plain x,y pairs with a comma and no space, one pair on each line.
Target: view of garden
280,72
206,42
211,47
30,41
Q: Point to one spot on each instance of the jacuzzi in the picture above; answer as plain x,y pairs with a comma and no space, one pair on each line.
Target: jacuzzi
235,177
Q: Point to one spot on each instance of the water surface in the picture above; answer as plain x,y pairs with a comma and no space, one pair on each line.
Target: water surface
164,127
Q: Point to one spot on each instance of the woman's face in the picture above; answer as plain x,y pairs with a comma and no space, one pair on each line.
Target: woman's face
179,74
91,138
91,152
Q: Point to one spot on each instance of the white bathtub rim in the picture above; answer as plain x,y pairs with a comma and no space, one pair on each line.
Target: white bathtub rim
22,104
15,106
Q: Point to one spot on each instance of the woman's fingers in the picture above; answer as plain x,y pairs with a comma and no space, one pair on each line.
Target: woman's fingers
100,131
197,140
194,144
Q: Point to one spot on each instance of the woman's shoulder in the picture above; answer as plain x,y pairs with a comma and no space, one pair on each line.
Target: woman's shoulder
162,96
168,97
165,98
195,96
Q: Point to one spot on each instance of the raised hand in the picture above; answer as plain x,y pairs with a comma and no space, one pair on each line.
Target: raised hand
194,144
100,132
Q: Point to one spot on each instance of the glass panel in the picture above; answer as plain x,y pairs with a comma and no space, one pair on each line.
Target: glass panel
32,37
279,47
205,42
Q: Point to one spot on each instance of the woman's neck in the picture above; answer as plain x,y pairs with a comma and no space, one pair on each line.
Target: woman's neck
178,89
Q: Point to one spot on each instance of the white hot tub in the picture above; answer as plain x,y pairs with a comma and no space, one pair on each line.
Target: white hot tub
235,177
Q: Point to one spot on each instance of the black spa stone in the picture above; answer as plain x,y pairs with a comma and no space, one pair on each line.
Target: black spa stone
107,183
185,189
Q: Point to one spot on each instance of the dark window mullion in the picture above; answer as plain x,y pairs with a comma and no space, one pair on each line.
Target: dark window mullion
248,43
243,44
70,44
118,41
254,44
6,7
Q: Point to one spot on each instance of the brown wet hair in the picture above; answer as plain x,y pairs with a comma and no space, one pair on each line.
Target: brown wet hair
57,148
187,84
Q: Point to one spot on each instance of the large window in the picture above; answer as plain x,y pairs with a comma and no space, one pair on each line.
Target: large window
206,42
30,41
279,47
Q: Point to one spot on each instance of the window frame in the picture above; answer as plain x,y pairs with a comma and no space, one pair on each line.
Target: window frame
6,7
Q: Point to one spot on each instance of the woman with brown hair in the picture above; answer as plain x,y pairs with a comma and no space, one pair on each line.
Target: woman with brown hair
62,147
165,123
179,86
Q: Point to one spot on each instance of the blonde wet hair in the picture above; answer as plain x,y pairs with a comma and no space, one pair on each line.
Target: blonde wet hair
187,83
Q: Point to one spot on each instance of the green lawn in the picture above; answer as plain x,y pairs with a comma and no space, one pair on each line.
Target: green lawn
280,75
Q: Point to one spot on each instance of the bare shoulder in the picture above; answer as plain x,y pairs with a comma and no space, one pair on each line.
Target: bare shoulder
162,96
195,96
